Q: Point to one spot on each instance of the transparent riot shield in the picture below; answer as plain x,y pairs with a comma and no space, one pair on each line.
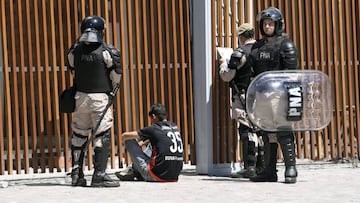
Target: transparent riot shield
296,100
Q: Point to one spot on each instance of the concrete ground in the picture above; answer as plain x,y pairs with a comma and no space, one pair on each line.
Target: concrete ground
316,183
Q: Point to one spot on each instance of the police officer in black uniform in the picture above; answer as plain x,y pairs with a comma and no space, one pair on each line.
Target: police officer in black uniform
275,52
96,69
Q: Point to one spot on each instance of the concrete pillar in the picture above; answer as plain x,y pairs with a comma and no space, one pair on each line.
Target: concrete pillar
202,82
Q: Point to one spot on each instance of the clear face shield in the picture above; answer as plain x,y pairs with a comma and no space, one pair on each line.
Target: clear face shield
91,35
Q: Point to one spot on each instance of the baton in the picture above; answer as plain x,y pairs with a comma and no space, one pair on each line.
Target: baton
253,128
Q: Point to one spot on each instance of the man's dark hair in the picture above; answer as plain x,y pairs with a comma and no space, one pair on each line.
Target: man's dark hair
158,110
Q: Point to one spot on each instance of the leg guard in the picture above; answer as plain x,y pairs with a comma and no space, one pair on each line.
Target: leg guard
249,161
249,154
250,171
244,136
269,173
100,178
249,140
260,159
288,149
245,146
77,174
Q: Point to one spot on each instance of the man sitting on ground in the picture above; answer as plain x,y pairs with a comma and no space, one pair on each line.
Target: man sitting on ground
166,161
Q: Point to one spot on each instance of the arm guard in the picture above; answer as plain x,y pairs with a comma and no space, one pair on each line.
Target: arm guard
289,55
115,55
237,59
70,57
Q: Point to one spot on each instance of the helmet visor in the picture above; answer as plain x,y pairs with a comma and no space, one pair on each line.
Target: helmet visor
90,36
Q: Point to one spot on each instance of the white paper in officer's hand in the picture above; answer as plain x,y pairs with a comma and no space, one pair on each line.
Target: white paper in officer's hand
224,52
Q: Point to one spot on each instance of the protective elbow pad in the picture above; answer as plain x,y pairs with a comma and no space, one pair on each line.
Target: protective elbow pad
236,59
70,57
289,55
115,54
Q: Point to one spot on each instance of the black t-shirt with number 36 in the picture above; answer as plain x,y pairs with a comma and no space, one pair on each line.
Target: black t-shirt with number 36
167,150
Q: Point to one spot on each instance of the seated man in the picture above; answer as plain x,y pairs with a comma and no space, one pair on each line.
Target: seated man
166,161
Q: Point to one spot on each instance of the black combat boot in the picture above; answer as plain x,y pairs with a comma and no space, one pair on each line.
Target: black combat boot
100,178
249,154
288,149
260,159
269,173
249,161
77,174
77,177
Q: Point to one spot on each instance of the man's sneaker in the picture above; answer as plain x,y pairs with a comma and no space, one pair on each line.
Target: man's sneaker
100,179
129,174
265,177
77,177
126,174
245,173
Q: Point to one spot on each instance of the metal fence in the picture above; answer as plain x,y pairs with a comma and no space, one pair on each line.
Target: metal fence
154,40
326,35
154,37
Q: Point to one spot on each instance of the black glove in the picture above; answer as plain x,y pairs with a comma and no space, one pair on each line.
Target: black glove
236,59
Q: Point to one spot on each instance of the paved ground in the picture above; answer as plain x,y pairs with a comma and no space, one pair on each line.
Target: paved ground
316,183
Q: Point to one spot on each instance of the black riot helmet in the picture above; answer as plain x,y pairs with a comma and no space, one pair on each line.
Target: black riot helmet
274,14
92,29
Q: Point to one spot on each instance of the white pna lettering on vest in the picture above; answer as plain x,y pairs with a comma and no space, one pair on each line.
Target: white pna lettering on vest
264,55
87,58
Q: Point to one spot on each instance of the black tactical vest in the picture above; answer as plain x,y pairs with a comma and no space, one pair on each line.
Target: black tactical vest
91,73
266,56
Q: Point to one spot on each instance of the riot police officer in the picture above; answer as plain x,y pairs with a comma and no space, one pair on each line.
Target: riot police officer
96,69
238,73
275,52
